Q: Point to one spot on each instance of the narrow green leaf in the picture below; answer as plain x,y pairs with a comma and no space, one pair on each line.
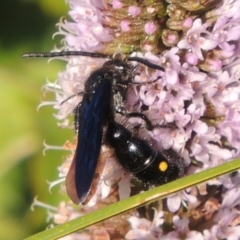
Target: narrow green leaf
136,201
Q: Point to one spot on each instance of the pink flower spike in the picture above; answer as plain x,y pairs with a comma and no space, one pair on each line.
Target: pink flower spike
192,100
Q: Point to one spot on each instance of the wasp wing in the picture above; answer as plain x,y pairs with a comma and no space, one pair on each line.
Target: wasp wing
92,116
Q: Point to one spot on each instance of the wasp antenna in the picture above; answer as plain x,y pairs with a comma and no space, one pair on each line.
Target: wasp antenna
65,54
70,97
146,63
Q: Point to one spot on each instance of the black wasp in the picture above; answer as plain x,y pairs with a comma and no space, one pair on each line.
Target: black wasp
104,95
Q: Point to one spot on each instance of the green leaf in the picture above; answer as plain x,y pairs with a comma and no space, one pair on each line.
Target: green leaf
136,201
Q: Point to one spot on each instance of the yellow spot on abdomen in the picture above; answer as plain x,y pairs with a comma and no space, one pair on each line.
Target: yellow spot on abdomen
163,166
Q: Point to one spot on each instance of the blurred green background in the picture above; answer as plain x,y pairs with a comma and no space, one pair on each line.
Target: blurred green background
27,26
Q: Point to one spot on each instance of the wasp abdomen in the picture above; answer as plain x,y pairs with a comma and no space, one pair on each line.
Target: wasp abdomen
145,163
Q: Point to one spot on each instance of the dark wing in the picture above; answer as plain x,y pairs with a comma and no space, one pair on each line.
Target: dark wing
93,114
